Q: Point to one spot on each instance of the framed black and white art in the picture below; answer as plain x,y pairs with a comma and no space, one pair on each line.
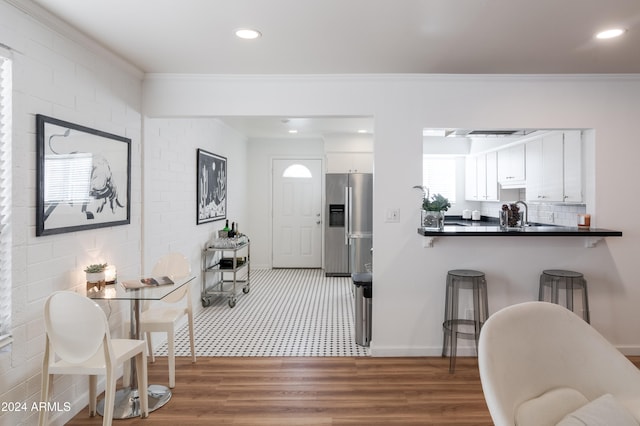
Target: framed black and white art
83,177
212,187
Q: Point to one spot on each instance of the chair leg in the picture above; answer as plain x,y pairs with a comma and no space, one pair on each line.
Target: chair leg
141,369
454,348
150,346
109,397
93,394
171,357
126,374
191,338
569,293
46,387
445,339
585,302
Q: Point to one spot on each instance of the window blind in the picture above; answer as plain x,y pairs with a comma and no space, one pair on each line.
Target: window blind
439,175
5,200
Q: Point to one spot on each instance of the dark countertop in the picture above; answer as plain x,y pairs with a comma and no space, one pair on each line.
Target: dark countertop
489,227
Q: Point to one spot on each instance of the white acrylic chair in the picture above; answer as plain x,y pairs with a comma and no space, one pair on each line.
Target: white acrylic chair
165,315
78,342
539,362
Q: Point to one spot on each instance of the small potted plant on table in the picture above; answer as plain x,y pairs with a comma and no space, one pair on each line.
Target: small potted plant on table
95,275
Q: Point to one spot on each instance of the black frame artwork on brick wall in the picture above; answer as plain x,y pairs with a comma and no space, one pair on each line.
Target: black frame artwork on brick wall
212,187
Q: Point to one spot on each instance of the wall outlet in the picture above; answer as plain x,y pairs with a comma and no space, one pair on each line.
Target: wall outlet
550,217
393,216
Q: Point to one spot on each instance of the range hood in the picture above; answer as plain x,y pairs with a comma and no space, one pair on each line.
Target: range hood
488,133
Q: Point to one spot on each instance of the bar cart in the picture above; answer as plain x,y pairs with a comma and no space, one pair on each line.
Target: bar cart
225,266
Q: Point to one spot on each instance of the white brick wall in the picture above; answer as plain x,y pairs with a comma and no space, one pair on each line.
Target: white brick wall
71,79
169,219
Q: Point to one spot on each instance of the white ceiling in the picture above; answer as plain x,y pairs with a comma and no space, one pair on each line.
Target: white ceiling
361,36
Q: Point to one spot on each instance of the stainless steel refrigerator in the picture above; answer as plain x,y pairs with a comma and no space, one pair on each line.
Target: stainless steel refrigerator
348,229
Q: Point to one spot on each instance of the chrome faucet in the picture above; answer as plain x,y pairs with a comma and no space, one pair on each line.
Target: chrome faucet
526,212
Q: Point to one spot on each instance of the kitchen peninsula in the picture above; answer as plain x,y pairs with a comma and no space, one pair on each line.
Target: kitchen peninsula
490,228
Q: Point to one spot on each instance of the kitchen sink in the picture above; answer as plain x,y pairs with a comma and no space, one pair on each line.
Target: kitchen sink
456,223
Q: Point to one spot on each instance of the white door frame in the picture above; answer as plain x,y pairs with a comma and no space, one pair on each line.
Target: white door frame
322,200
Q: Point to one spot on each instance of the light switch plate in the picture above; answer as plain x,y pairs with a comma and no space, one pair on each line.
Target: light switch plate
393,216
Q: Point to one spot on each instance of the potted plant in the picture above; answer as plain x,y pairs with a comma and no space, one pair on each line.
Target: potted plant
433,208
95,275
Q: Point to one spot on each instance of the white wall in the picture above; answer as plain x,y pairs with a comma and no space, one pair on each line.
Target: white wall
409,279
63,75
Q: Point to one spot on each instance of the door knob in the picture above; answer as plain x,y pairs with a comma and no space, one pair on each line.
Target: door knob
318,222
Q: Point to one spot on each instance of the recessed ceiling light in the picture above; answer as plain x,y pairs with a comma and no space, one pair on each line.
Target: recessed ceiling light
612,33
293,131
247,33
362,131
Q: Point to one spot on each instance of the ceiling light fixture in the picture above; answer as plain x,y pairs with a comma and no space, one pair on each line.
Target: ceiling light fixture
293,131
362,131
247,33
612,33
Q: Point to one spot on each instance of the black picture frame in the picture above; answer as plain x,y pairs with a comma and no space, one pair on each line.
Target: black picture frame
83,177
211,202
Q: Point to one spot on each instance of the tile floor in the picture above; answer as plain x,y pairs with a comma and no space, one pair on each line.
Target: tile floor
288,312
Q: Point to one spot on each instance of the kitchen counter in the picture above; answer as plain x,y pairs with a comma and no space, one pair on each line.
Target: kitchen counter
489,227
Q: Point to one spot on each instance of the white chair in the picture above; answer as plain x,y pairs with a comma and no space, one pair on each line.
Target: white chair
78,342
540,362
164,316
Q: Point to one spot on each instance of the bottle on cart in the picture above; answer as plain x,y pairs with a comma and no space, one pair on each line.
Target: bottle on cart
232,232
226,227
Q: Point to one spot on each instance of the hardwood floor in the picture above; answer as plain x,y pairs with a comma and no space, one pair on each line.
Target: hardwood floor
316,391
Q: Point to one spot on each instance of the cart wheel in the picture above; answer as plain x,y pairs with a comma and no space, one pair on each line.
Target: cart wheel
206,302
245,290
232,303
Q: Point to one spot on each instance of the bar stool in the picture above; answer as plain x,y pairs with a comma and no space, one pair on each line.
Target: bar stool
558,279
457,325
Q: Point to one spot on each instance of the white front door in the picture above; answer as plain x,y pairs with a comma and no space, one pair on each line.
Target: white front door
297,209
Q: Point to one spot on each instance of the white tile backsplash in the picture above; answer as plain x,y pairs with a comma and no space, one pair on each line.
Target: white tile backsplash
549,213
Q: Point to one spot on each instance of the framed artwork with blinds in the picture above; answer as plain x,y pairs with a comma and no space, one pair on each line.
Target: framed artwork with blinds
83,177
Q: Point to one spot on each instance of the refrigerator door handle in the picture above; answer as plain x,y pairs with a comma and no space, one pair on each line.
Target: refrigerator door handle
347,205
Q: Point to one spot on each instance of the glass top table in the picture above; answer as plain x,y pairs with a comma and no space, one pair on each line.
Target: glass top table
127,403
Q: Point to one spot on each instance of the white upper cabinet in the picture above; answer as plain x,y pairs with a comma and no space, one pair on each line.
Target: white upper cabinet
511,166
552,173
533,151
492,176
481,177
471,179
350,162
573,166
553,168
